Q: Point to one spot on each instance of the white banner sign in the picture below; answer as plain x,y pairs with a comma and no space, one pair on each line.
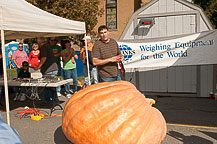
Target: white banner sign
195,49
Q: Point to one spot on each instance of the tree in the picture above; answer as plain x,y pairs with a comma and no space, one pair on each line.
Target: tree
210,8
80,10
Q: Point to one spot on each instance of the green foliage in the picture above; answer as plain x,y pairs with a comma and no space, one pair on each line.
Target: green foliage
210,8
80,10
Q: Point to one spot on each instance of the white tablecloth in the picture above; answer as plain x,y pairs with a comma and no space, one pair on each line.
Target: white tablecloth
36,83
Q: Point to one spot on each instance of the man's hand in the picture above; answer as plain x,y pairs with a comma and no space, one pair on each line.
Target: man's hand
18,67
36,68
115,59
76,56
98,62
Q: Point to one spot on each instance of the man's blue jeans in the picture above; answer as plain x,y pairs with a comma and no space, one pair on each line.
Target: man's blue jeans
93,75
109,79
71,73
60,73
18,71
48,94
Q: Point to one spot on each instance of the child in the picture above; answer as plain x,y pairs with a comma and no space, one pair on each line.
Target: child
34,56
24,73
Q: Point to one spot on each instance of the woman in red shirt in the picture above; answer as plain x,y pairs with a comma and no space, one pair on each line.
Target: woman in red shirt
34,56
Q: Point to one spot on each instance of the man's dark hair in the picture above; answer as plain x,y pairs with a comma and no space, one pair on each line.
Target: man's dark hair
25,63
102,27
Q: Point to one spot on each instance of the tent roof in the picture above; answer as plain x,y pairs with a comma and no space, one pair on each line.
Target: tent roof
20,19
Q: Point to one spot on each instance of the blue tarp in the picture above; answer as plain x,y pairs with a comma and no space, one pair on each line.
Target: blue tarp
79,65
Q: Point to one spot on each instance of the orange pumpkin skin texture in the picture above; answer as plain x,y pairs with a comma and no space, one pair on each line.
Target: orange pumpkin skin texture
112,113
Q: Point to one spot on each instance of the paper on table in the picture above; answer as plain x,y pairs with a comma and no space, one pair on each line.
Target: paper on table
35,74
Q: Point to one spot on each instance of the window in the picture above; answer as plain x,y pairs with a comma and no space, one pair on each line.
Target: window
111,14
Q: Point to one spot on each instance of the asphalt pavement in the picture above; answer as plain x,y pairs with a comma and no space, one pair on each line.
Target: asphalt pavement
189,121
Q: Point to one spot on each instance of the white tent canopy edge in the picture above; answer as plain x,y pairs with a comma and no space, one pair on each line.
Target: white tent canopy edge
19,19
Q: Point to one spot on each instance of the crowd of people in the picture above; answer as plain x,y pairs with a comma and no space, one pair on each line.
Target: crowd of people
51,58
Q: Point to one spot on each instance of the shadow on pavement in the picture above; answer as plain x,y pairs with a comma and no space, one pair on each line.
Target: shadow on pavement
187,110
30,103
192,139
210,134
59,137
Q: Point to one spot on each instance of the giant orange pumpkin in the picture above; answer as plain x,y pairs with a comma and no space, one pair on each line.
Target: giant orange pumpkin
112,113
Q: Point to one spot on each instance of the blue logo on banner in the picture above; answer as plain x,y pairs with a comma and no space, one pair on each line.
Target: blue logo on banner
127,52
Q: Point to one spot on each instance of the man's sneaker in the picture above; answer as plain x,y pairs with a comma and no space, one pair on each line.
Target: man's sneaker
71,91
68,95
59,94
22,97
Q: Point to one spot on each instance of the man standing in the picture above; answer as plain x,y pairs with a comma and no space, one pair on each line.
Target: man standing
92,68
106,55
19,57
48,67
57,53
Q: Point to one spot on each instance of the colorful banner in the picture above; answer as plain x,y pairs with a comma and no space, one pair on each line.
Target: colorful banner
195,49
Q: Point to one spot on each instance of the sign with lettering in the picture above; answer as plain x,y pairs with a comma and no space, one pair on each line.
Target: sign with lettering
194,49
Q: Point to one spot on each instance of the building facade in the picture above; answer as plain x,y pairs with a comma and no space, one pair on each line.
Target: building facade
117,13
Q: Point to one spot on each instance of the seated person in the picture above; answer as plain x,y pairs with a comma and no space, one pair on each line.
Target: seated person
24,73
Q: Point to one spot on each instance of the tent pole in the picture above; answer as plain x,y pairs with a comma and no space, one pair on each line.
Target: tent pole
5,76
88,70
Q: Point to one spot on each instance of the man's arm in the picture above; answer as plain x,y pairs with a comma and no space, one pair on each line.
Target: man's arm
121,57
98,62
57,54
42,61
16,63
82,53
57,51
27,58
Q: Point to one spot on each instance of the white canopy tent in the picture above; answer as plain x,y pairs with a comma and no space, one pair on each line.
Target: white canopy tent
19,19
